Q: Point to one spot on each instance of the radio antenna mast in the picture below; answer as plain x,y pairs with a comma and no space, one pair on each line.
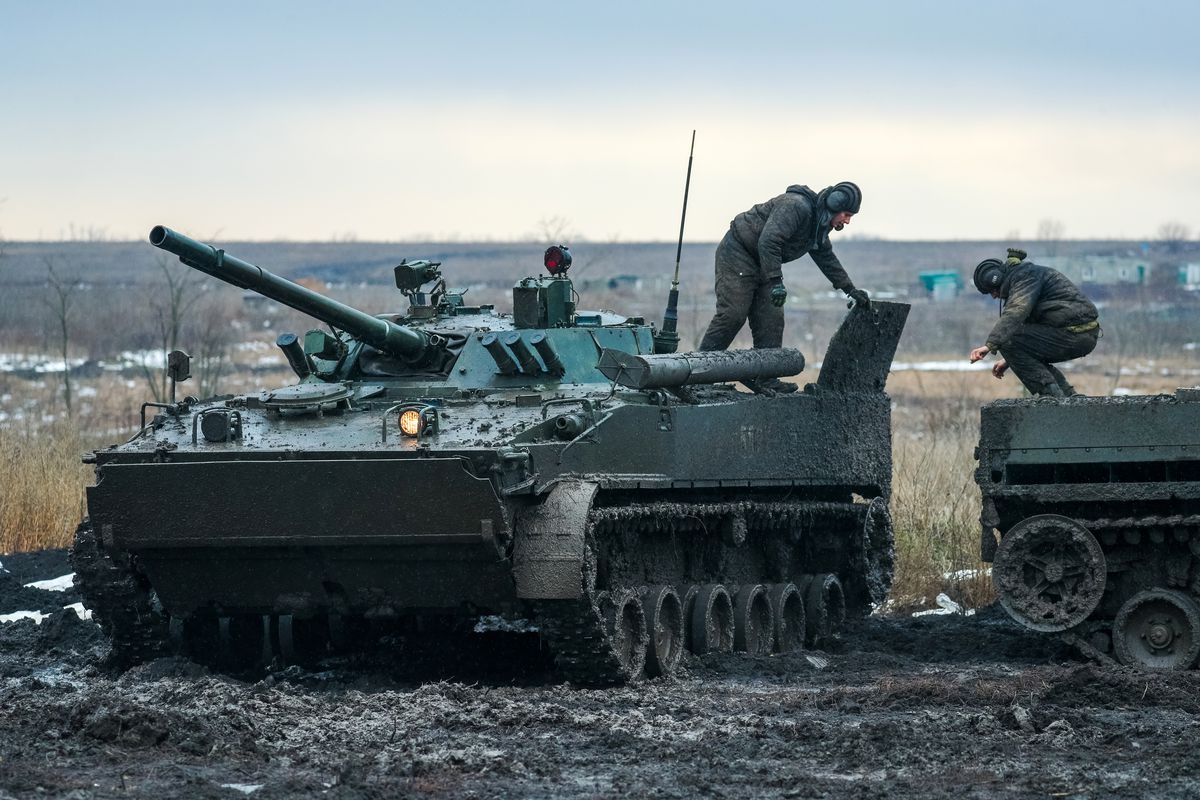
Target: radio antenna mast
667,339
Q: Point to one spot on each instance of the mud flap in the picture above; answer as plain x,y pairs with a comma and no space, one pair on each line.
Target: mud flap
860,353
549,549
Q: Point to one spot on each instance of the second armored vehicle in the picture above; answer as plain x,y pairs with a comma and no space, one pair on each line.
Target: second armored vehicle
432,467
1097,506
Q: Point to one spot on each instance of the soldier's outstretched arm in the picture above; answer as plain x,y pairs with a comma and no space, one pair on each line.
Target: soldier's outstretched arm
827,261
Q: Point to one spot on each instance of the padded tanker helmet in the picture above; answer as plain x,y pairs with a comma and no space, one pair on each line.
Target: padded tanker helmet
988,275
845,196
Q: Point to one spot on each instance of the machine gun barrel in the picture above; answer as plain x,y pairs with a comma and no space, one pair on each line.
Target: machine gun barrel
717,366
405,343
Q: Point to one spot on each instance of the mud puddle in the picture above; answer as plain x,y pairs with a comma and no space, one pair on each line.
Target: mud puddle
929,707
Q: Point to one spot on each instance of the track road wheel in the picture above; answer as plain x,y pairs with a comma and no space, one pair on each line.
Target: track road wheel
1050,573
788,608
753,622
1158,629
825,608
626,624
664,620
712,620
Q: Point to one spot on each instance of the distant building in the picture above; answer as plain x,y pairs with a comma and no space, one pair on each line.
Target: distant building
1189,276
941,286
1114,272
628,281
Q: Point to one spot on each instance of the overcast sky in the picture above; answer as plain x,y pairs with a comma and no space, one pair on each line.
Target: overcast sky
304,120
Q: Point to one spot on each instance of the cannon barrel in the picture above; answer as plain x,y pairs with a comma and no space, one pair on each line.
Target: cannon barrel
405,343
717,366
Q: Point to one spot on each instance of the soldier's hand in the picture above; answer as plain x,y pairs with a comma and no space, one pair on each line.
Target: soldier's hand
999,368
778,295
860,298
1015,256
978,353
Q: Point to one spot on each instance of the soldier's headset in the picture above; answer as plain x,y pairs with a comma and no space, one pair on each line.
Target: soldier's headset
988,275
845,196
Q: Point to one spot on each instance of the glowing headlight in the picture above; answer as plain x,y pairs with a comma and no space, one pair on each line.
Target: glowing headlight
410,422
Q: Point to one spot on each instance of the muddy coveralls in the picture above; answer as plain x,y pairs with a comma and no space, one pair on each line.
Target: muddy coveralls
1046,320
750,262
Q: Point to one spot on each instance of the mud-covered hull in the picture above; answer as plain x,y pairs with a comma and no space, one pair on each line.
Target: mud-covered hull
1097,504
432,468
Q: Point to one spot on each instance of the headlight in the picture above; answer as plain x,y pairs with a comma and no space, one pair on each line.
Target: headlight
410,422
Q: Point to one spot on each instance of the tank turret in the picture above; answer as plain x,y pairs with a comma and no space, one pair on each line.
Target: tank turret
412,346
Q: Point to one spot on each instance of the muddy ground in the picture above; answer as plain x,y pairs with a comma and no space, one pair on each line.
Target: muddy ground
931,707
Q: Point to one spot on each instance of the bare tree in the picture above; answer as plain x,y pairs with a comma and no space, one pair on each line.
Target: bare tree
1051,231
170,311
59,300
3,321
555,230
1173,234
210,333
90,233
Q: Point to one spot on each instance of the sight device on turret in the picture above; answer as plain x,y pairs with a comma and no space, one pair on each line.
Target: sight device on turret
433,467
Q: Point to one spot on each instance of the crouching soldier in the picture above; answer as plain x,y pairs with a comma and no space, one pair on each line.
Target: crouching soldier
1045,320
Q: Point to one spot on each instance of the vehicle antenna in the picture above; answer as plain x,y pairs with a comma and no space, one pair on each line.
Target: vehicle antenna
667,339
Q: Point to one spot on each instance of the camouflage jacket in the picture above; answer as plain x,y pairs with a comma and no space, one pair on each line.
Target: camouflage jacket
785,228
1038,295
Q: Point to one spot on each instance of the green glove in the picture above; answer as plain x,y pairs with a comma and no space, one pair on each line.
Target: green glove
1015,256
860,298
778,295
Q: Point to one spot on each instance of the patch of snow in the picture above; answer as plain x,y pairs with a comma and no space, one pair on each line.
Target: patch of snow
83,613
966,574
36,616
2,569
817,661
945,606
144,358
59,584
244,788
956,365
1121,391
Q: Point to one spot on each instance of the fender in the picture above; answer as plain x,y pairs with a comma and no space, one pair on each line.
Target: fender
549,549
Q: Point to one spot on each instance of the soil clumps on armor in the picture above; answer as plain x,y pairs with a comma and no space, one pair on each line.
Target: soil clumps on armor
938,706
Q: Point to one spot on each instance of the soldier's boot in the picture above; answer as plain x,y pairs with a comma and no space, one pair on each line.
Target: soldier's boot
1067,389
769,386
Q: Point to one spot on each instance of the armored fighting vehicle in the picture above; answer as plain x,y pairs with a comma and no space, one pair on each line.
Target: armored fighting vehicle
434,468
1097,505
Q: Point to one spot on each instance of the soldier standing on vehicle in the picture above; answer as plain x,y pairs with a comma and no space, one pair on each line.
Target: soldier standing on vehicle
749,264
1046,320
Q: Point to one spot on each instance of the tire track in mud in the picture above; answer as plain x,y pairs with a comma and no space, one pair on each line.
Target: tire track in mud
937,706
